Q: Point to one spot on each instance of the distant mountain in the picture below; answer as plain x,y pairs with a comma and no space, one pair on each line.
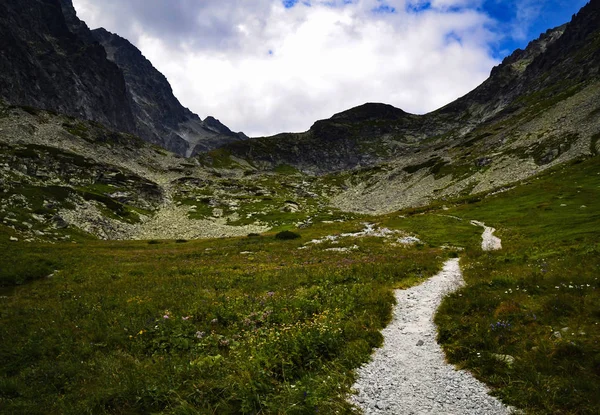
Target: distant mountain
549,70
50,59
159,116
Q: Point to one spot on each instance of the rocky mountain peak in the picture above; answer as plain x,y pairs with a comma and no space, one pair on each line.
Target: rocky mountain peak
371,111
160,117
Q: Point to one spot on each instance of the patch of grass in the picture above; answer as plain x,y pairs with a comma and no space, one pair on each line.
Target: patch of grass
537,300
286,169
429,163
138,327
79,129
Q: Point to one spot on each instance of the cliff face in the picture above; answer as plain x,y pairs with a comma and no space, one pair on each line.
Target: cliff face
159,116
50,59
44,64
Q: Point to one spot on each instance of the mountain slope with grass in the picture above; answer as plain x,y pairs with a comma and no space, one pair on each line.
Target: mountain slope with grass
257,277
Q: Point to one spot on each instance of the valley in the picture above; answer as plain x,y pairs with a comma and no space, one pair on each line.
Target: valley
155,262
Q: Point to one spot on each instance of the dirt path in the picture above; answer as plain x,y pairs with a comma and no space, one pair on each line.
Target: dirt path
409,375
489,242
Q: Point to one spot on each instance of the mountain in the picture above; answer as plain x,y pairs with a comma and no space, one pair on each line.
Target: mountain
50,59
44,64
159,116
559,62
538,108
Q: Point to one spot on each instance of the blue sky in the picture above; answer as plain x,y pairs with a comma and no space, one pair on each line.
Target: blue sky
540,16
268,66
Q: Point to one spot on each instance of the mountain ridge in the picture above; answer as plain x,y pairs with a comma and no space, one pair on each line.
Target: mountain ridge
51,60
159,115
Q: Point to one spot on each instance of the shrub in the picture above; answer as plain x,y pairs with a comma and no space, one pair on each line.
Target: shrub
287,235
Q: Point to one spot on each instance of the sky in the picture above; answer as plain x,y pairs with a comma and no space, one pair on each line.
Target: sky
270,66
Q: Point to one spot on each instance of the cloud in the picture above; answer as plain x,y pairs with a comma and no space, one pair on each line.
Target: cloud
268,66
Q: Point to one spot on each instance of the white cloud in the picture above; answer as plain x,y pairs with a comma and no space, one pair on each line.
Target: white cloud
325,58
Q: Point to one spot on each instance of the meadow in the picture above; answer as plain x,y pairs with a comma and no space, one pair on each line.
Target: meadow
264,325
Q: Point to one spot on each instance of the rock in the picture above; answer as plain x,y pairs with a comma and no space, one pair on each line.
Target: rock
291,207
59,222
420,343
381,405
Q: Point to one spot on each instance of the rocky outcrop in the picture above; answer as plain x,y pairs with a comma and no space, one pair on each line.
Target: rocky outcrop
44,64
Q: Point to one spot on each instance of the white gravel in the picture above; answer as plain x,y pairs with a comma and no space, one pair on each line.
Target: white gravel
409,375
489,241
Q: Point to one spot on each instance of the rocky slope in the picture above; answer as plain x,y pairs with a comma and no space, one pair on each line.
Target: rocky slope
50,59
159,116
63,178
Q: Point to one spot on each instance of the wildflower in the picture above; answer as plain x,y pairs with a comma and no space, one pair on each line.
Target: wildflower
214,321
200,334
166,317
186,318
270,294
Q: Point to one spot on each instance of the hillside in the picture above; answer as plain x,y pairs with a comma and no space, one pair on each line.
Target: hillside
247,276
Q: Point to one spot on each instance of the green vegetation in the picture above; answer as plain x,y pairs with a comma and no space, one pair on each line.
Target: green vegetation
538,299
286,169
287,235
78,129
240,325
274,324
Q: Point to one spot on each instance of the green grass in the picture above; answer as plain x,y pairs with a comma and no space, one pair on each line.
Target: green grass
544,281
239,325
256,325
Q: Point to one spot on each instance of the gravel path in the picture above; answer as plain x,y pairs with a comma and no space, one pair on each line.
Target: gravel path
409,375
489,241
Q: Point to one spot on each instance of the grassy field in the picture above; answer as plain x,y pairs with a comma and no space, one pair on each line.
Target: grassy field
528,321
257,325
243,325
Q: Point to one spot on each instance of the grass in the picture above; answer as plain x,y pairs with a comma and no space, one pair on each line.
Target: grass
256,325
239,325
538,299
